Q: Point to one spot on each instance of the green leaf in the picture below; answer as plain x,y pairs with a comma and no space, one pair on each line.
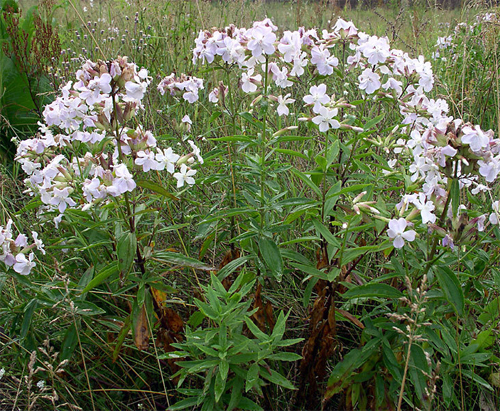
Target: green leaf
351,254
476,378
252,377
126,250
111,269
276,378
272,257
180,259
373,290
87,308
150,185
69,343
327,235
291,153
220,385
342,371
491,311
248,404
182,405
233,265
238,385
284,356
85,280
307,181
369,124
255,330
333,153
28,316
451,288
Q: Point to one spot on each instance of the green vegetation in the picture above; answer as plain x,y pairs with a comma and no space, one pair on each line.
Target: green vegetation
318,261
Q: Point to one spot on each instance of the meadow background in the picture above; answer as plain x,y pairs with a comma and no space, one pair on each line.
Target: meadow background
273,282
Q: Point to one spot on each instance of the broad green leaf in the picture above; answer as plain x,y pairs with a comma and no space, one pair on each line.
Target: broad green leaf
351,254
307,181
29,310
220,385
252,377
255,330
312,271
370,123
84,281
150,185
110,270
238,385
69,343
451,288
291,153
491,311
126,250
327,235
180,259
182,405
232,266
373,290
276,378
284,356
476,378
342,372
272,257
249,405
87,308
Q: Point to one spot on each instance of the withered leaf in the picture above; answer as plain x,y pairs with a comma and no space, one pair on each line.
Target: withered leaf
141,330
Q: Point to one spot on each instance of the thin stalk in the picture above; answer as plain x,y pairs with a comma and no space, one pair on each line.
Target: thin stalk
430,256
84,364
263,150
403,382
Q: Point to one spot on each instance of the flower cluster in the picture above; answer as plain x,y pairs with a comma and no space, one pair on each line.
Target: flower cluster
441,148
186,85
258,49
13,251
90,117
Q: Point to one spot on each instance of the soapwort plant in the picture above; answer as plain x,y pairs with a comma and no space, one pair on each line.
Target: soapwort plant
332,167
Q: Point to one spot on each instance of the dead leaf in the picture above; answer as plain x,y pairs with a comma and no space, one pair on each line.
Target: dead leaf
351,318
141,330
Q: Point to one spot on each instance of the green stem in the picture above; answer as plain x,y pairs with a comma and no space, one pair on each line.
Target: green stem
263,151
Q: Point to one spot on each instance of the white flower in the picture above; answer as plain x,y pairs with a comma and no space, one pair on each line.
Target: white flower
426,208
495,214
168,159
248,81
196,151
147,161
325,119
475,138
397,232
320,56
489,170
135,90
61,199
24,265
317,97
261,41
369,81
185,175
2,373
282,102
